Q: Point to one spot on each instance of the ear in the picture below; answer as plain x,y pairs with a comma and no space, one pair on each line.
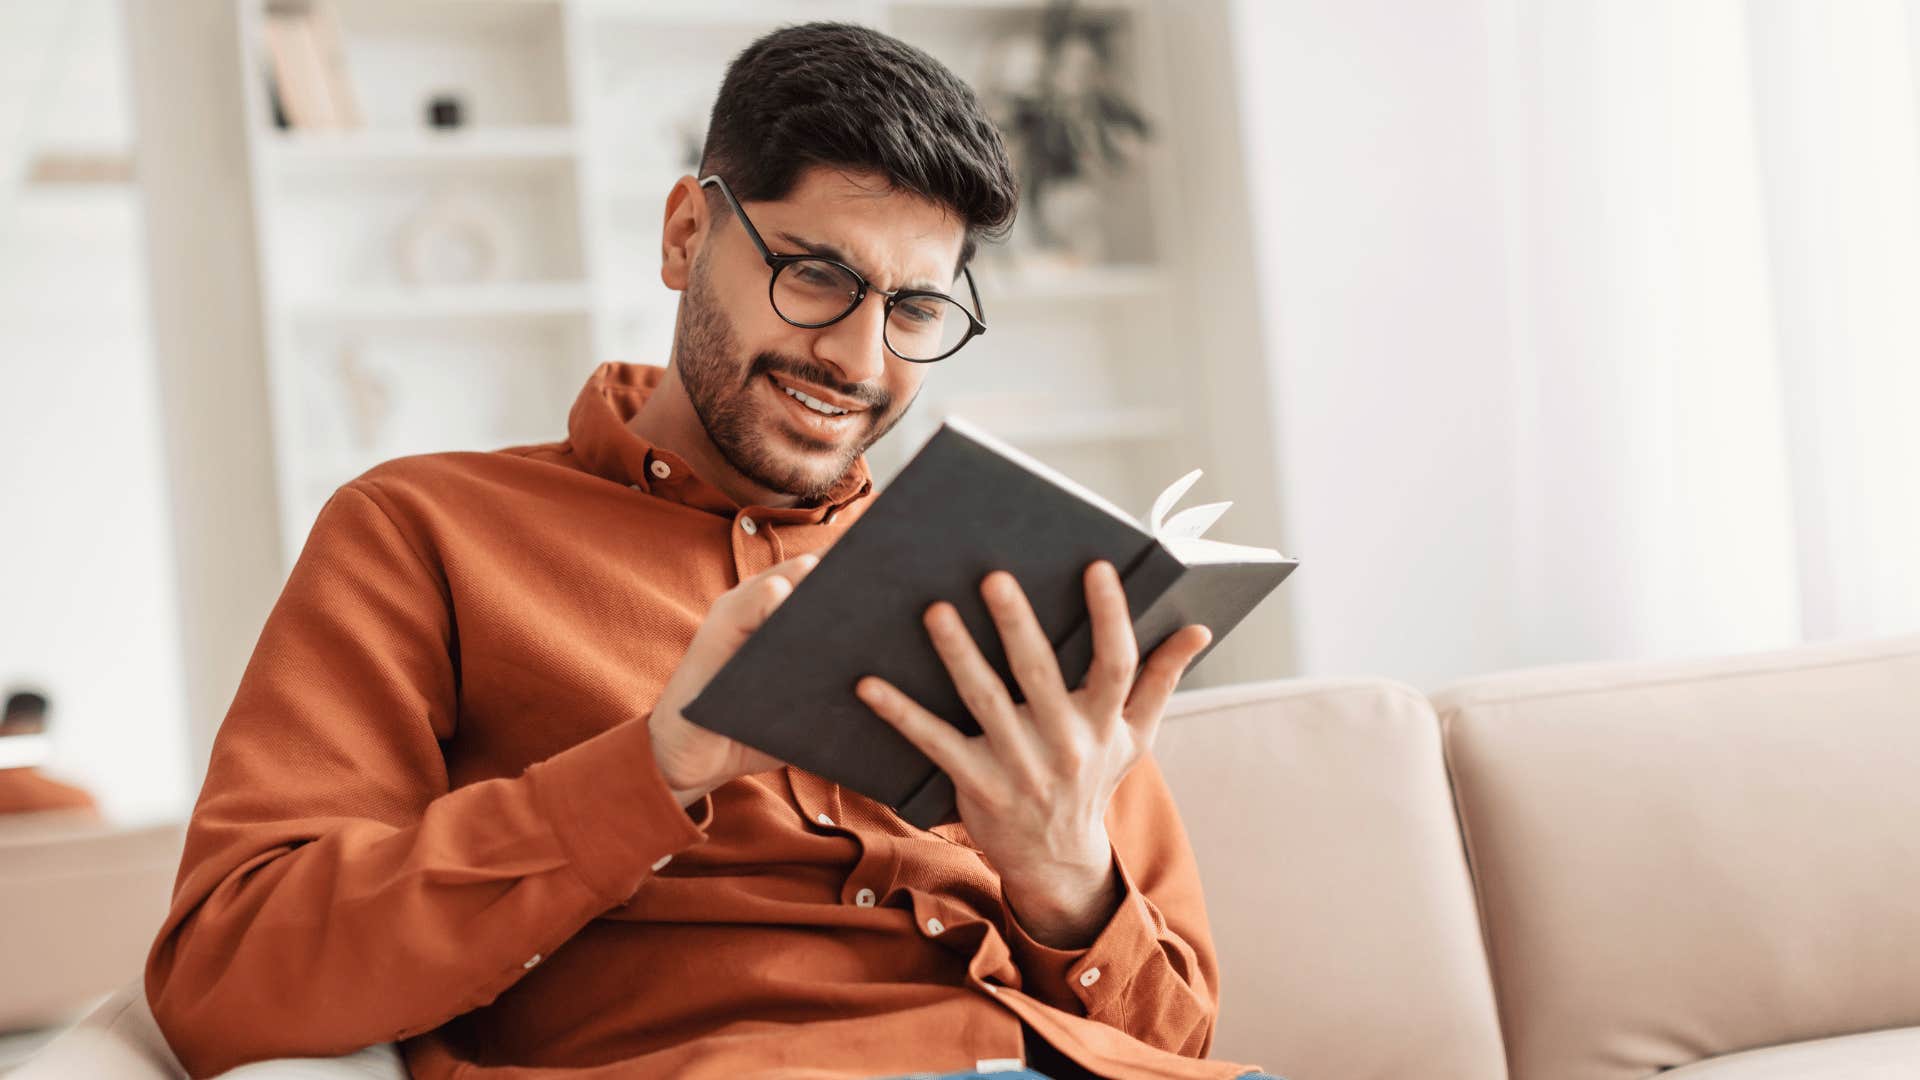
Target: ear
684,230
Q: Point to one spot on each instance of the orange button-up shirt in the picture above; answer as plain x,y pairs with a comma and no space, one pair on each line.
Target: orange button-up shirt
432,815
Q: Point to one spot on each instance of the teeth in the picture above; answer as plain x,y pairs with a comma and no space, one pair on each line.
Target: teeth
813,403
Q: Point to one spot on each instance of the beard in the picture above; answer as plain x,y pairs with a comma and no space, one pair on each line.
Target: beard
754,440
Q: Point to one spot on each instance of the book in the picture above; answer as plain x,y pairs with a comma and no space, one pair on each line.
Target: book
298,73
330,44
309,67
965,505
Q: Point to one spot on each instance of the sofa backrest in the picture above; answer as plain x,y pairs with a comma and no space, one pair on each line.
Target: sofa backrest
1677,861
1336,885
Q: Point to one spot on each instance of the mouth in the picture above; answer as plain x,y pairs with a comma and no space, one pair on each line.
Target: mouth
814,414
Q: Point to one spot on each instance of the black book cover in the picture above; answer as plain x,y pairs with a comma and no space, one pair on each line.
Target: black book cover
966,505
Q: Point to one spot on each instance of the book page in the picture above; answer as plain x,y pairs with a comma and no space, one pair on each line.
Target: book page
1183,533
1191,522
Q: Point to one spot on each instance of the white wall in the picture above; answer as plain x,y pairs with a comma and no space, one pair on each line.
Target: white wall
86,597
1370,143
1592,324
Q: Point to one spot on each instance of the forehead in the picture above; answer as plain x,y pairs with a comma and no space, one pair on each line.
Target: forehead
896,238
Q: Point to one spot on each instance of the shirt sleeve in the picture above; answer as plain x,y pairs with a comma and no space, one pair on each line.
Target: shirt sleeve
334,893
1151,971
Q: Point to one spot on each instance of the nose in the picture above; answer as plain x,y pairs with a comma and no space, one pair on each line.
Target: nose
856,344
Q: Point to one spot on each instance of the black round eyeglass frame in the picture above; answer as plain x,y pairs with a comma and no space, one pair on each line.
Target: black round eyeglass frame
777,263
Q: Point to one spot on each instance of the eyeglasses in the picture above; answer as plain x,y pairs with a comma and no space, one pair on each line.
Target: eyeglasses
812,291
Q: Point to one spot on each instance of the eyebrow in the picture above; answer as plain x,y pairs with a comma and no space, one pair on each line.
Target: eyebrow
829,251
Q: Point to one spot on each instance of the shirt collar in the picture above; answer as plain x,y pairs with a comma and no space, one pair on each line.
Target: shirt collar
607,447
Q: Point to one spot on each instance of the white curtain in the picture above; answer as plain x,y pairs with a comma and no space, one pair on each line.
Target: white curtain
1655,375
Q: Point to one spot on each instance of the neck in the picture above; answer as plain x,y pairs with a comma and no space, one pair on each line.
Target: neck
668,420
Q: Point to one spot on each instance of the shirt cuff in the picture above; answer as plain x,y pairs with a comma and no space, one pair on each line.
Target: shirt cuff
1085,981
615,817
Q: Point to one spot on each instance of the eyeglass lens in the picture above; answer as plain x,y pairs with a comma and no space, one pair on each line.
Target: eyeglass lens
815,292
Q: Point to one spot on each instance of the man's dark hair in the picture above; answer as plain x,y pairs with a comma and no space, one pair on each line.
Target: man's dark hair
847,96
25,706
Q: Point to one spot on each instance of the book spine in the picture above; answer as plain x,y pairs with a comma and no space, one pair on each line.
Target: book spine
330,44
297,71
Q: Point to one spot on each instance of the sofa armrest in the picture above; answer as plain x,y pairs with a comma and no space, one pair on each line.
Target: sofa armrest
119,1040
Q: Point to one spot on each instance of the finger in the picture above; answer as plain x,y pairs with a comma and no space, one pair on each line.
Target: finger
962,758
1116,654
1159,675
981,689
1029,654
793,569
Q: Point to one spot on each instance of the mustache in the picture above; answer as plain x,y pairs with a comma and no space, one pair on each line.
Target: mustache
819,375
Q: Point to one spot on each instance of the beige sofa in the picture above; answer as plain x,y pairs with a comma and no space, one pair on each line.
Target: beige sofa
79,903
1583,873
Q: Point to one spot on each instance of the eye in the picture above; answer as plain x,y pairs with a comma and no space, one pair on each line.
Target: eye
816,274
920,311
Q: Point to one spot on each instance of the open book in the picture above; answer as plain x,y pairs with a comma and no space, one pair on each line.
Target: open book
966,505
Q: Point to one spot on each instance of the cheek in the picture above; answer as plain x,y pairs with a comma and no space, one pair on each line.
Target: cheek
903,382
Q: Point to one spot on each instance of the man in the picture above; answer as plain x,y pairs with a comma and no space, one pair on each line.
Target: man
23,788
455,802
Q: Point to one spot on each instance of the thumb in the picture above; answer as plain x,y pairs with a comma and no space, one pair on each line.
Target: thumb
747,605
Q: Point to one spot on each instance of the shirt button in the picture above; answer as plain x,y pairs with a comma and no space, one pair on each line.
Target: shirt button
747,526
824,820
1090,976
661,864
863,898
534,959
661,469
936,927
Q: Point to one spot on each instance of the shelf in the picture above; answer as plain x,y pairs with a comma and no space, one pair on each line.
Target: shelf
442,302
505,147
707,15
970,7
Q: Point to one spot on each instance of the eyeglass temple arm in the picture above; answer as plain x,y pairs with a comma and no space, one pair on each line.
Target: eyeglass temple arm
753,234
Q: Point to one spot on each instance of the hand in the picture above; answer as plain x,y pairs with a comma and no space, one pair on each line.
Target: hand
1034,786
694,760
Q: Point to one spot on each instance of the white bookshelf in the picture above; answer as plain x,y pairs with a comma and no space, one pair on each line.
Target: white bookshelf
579,114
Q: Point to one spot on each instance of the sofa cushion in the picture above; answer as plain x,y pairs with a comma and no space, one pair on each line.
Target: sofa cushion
1335,882
1681,861
1878,1055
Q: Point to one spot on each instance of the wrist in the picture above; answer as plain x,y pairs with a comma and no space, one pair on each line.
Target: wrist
1066,907
686,788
